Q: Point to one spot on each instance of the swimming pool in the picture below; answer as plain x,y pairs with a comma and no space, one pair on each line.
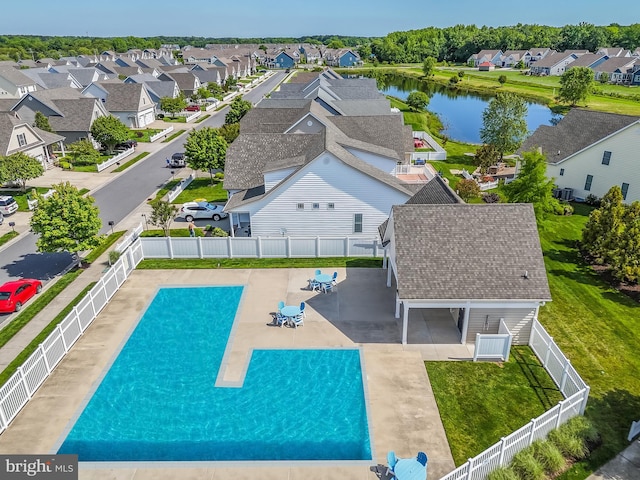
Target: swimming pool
158,401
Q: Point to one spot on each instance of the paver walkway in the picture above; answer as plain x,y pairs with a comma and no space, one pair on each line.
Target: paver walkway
626,466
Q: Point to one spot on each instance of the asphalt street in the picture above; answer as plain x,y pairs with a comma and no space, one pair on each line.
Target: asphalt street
116,200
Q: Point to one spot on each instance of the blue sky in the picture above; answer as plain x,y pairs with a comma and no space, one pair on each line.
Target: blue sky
280,18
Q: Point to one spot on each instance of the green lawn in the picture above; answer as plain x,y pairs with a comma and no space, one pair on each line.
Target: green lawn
134,160
143,135
481,402
106,243
8,237
175,120
202,188
165,189
209,263
173,135
21,198
174,232
202,118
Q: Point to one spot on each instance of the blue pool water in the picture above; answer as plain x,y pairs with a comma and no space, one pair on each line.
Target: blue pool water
158,401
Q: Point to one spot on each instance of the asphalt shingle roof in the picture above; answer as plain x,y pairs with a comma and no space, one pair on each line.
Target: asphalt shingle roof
436,191
469,252
123,97
576,131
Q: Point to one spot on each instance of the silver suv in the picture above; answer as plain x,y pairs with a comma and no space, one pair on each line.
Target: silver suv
193,210
8,205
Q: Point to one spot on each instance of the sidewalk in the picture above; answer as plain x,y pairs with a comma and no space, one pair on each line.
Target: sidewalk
626,466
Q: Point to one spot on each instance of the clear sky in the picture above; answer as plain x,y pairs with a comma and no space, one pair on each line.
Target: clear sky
288,18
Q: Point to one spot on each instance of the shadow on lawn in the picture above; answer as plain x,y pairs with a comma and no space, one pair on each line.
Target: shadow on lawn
538,378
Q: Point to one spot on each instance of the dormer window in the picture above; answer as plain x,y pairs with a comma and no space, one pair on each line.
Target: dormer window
22,139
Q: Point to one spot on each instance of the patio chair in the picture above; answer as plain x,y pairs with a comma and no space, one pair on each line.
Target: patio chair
422,458
302,305
333,280
297,321
327,287
317,272
313,285
280,319
391,462
280,305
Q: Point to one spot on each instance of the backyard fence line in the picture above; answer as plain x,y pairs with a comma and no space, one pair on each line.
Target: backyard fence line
116,159
570,384
177,190
260,247
129,238
32,204
21,386
493,345
161,134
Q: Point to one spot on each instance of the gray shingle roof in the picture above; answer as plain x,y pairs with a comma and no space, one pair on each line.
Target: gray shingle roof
436,191
123,97
469,252
271,120
612,64
382,130
576,131
78,115
15,76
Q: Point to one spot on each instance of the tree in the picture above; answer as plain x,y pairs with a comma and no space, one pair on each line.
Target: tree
83,153
20,167
605,225
429,66
503,123
336,43
460,74
486,156
201,94
229,83
468,189
575,85
502,79
454,80
42,122
237,110
109,131
624,258
214,89
205,150
173,105
417,101
603,78
162,215
532,186
229,131
66,221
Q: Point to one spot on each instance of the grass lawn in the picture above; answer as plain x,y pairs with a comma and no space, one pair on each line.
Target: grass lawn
165,189
143,135
481,402
173,135
202,118
174,232
207,263
126,165
175,120
202,188
82,191
21,198
8,236
106,243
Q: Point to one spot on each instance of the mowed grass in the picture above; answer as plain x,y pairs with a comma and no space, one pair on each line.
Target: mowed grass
211,263
202,188
481,402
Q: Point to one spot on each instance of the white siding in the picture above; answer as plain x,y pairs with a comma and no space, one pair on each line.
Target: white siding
381,163
623,166
324,180
271,179
518,320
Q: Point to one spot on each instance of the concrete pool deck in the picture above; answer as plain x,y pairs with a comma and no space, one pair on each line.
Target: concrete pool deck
402,410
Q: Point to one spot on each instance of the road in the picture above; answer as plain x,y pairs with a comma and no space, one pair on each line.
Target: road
116,200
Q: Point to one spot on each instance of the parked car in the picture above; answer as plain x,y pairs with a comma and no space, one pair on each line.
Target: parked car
194,210
193,108
126,145
176,160
8,205
14,294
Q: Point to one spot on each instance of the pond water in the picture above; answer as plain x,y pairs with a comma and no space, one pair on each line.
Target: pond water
460,112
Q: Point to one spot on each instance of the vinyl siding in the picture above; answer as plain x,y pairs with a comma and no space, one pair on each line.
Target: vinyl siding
30,137
518,320
623,166
324,180
381,163
271,179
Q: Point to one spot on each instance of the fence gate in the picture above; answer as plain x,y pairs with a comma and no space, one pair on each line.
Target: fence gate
492,346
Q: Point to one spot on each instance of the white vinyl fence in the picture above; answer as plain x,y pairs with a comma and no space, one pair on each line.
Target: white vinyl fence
492,346
129,238
116,159
161,134
573,388
258,247
19,389
177,190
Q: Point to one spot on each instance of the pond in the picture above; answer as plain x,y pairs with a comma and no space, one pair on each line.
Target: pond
460,112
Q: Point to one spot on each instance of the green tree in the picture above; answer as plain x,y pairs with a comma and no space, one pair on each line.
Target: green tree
468,189
625,257
575,85
83,153
162,215
503,123
205,150
173,105
417,101
201,94
42,122
20,167
602,231
429,66
237,110
215,89
454,80
66,221
336,43
229,131
486,156
603,78
502,79
229,83
532,186
109,131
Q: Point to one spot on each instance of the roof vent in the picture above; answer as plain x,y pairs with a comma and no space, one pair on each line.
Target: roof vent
526,275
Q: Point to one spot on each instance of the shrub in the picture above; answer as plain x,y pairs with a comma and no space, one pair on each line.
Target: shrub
491,197
139,134
65,165
502,79
582,428
568,443
503,473
460,74
114,255
218,232
525,465
592,200
454,80
568,208
219,176
548,455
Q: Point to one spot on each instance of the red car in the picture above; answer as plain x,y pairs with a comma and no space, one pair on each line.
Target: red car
14,294
193,108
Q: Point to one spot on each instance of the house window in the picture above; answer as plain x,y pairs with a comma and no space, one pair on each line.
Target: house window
606,158
331,206
357,223
625,189
561,171
300,206
316,206
22,139
588,182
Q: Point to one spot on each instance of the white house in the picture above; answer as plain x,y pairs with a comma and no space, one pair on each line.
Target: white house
130,102
16,135
14,84
553,64
589,152
479,265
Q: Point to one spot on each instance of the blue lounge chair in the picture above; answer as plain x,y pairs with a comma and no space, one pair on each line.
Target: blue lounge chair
391,461
422,458
327,287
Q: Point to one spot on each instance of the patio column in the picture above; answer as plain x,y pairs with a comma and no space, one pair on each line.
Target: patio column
405,321
397,315
231,229
388,276
465,323
384,259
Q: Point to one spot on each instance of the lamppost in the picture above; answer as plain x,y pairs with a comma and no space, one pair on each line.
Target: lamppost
111,224
146,222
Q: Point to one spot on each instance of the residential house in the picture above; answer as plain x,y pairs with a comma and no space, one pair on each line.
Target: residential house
188,82
482,56
617,69
70,113
16,135
14,83
311,54
614,52
477,266
130,102
342,57
510,58
589,152
157,89
46,79
538,53
589,60
281,59
553,64
83,75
